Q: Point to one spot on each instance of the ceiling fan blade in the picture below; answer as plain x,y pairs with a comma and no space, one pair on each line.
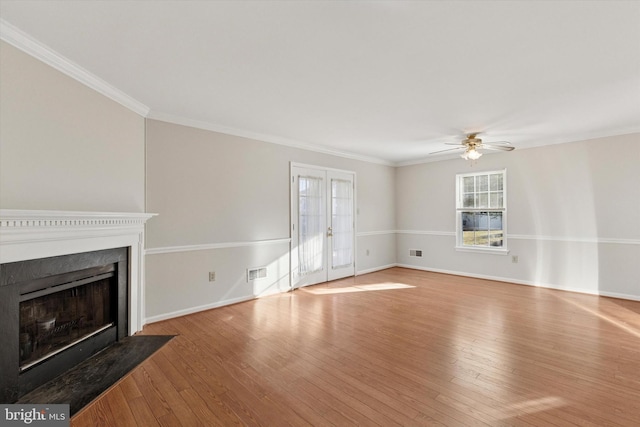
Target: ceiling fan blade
501,142
455,143
448,149
498,147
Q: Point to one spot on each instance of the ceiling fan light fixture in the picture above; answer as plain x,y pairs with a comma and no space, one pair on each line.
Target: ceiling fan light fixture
471,154
471,147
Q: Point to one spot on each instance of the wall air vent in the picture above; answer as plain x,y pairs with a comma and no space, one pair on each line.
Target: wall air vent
256,273
415,252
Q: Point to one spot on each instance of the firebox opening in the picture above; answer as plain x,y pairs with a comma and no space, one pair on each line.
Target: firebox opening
57,317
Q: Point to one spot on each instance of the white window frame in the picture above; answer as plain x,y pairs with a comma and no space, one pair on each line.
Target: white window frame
460,246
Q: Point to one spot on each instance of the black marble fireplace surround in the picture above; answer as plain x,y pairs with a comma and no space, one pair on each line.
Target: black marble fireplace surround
101,317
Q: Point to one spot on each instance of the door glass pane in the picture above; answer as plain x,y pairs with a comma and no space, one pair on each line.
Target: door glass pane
341,223
311,225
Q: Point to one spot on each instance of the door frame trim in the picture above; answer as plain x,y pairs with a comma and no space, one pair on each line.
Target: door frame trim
292,165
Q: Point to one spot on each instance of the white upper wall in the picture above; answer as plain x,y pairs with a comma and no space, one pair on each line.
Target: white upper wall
64,146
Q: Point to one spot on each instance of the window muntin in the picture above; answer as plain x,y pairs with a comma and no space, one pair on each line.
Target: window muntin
481,211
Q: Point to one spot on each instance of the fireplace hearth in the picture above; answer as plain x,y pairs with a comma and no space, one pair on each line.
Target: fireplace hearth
58,311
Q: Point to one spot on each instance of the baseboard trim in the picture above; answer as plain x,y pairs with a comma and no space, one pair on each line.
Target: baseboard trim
620,296
184,312
523,282
187,311
374,269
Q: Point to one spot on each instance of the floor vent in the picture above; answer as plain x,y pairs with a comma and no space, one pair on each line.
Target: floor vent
256,273
415,252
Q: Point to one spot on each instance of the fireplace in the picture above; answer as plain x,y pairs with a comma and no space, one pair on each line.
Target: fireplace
70,284
58,312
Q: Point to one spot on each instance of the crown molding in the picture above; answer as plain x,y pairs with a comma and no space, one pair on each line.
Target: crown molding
573,138
26,43
34,48
31,46
183,121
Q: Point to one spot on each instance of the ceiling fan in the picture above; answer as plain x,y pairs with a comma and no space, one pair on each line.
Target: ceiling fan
471,144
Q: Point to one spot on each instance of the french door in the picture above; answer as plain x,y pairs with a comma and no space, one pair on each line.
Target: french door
322,225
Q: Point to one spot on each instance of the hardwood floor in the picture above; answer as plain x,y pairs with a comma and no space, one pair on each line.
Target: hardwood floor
396,347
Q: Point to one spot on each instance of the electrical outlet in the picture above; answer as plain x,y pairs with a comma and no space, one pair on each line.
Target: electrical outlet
514,259
212,276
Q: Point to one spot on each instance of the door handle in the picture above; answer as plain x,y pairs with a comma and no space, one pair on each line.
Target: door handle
329,232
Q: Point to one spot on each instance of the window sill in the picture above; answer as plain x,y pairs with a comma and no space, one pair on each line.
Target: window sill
483,250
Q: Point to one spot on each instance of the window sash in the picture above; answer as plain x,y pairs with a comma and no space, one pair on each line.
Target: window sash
480,201
482,228
481,191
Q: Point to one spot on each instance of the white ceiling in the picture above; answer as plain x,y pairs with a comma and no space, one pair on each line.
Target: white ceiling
384,80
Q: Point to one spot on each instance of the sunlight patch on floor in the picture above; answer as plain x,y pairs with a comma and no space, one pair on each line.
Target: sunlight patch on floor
532,406
620,317
358,288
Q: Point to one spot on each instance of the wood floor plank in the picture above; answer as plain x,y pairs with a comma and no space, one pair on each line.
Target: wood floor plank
129,388
98,414
120,411
201,409
395,347
142,412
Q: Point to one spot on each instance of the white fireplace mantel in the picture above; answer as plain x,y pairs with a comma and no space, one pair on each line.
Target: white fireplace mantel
32,234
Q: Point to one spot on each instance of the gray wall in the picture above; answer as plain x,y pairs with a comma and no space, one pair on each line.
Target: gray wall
224,206
572,216
64,146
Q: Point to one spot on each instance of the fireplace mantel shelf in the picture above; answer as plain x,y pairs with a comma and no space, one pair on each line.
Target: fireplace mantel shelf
14,219
33,234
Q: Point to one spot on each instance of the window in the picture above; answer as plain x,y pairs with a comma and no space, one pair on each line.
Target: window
481,211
